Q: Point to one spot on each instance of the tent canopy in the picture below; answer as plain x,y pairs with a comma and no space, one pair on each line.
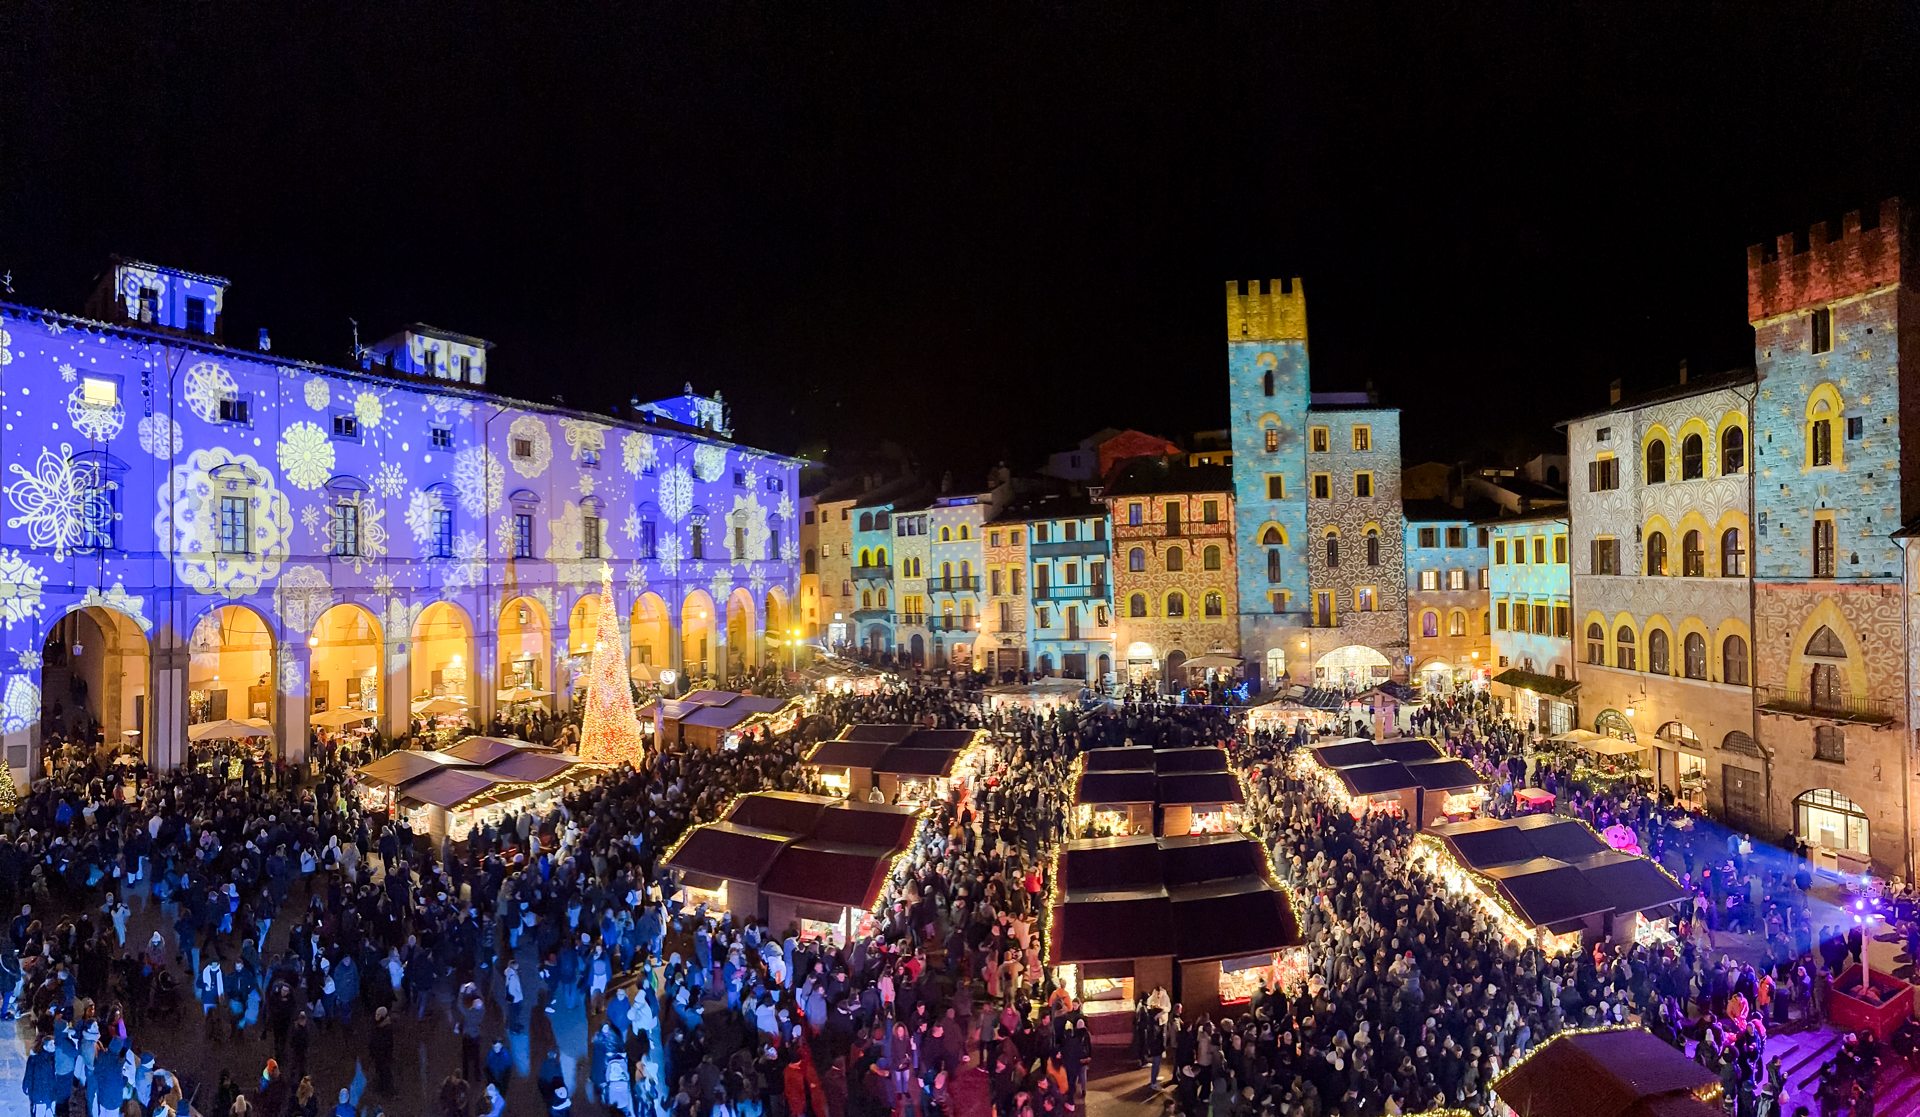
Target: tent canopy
1627,1072
229,730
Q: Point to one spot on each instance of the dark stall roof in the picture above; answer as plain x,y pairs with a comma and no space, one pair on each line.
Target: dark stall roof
755,704
902,761
1409,750
1191,788
717,717
727,851
1548,893
1565,838
1098,788
951,739
1215,922
1203,759
1195,858
1444,775
449,787
829,873
1482,842
1629,883
1200,896
1102,865
892,734
1374,779
1113,929
709,697
841,753
781,811
1627,1072
885,825
531,767
1136,759
397,769
1347,753
485,750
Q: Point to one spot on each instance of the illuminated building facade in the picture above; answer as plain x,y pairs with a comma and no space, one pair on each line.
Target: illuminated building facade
1530,589
197,532
1449,623
956,530
1173,567
1070,626
1003,645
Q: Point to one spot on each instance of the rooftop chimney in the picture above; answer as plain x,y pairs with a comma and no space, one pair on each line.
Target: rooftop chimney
1613,392
1683,370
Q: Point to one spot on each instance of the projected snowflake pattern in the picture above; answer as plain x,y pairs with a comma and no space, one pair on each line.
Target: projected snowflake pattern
117,599
161,436
187,522
582,434
21,707
206,385
390,481
748,515
318,394
369,410
306,455
637,452
20,586
532,431
420,509
676,494
304,594
99,422
636,579
478,480
672,554
469,565
373,534
709,462
59,499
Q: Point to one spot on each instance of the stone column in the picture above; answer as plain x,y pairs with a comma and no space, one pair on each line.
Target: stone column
293,666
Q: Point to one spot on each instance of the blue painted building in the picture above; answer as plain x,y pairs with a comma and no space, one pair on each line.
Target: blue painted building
196,531
1070,623
1530,587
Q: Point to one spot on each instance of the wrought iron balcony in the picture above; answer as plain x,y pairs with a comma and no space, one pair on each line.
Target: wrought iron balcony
968,584
965,622
873,573
911,620
1864,711
1089,591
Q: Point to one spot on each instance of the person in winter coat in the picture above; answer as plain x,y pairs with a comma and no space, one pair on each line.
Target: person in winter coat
41,1084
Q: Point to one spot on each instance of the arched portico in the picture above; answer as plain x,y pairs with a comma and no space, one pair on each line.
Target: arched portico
94,677
697,651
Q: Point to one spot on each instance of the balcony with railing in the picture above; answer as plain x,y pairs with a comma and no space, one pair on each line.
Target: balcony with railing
965,622
1058,547
1864,711
910,620
873,573
1090,591
968,584
867,616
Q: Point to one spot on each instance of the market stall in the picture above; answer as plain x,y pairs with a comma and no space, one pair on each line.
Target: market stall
718,719
1618,1072
1039,696
226,744
1448,790
1115,804
499,776
1603,761
904,762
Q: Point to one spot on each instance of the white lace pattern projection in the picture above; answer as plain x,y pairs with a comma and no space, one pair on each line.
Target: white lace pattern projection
21,707
206,385
161,436
118,600
637,453
676,494
302,597
469,566
748,516
672,554
99,422
390,481
59,500
306,455
709,462
369,410
187,522
20,586
529,429
478,480
420,509
318,394
373,534
582,434
566,548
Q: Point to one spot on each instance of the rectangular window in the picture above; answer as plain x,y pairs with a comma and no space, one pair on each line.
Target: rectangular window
1823,566
1603,475
441,438
1500,615
1456,537
1484,533
649,540
235,411
1070,531
443,533
1322,486
1044,617
1499,552
1133,515
1856,428
590,537
1542,619
697,545
1018,575
1363,484
234,535
346,529
739,478
1006,616
197,315
809,517
1013,539
523,448
1560,549
1429,537
589,458
1070,574
1040,533
1821,449
1323,614
1563,621
1429,579
1606,556
1276,487
522,535
1099,530
993,539
1209,511
1483,579
1518,616
994,580
1363,599
345,426
1822,330
98,391
1273,439
1278,599
1540,549
1363,438
1097,576
1456,579
1173,518
1321,440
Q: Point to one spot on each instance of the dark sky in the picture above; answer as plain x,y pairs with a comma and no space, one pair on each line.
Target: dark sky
979,229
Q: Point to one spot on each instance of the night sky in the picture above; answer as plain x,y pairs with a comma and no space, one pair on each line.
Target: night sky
979,230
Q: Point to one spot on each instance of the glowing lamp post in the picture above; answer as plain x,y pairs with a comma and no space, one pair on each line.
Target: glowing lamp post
667,678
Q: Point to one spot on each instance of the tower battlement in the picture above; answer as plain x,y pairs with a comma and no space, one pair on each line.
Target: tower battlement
1266,310
1819,264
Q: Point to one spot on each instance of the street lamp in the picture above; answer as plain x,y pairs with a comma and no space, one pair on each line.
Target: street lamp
667,678
795,645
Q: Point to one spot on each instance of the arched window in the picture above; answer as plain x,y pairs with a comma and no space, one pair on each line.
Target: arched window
1137,605
1176,559
1373,547
1271,537
866,557
1657,652
1457,623
1213,603
946,535
880,557
1733,451
1623,648
1693,560
1137,559
1333,551
1696,656
1486,622
1656,462
1273,564
1210,559
966,567
1176,604
1596,644
807,562
1733,557
1693,459
1656,554
963,531
1826,686
866,599
1429,623
866,521
880,599
1826,644
1733,661
1266,383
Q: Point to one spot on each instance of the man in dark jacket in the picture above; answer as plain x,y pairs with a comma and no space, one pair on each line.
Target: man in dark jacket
42,1084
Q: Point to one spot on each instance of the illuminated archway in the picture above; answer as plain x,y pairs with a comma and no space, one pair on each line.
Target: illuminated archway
344,671
230,665
1354,665
650,638
525,646
742,655
442,654
696,634
94,670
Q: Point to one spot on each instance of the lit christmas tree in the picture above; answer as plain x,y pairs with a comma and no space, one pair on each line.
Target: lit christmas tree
9,794
612,730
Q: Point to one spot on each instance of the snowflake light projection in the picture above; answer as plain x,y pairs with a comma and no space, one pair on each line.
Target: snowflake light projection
21,707
20,586
532,431
318,394
504,534
469,565
206,385
420,509
373,533
566,548
789,549
636,579
757,581
310,517
187,522
32,659
383,583
119,600
6,348
369,410
303,595
161,436
67,373
672,554
390,481
709,462
582,434
748,515
631,528
99,422
786,507
59,500
721,587
478,480
306,455
676,494
397,618
637,453
585,485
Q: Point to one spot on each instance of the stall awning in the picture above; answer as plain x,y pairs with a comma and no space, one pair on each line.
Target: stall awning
1104,788
727,851
451,787
1630,883
1200,789
1347,753
1548,891
1106,865
1189,859
1173,762
1628,1072
1409,750
1139,758
1481,843
530,767
1375,779
397,769
489,750
829,873
917,762
716,717
1550,685
781,811
885,825
848,754
1227,919
1111,929
1444,775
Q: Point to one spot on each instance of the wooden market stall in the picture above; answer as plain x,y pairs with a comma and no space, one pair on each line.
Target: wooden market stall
1448,789
716,719
446,793
904,762
1134,791
1620,1072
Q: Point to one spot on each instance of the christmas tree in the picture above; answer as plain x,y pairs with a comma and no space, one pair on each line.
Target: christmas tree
612,730
9,794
